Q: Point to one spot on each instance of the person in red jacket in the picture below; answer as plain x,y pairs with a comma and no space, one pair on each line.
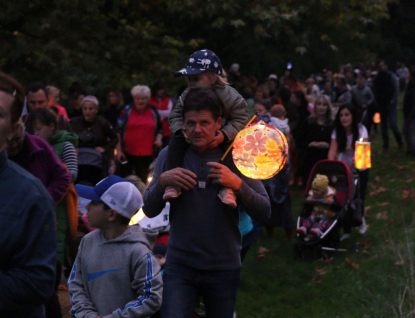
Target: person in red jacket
164,105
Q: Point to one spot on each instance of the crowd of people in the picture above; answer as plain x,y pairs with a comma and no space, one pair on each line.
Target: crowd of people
56,154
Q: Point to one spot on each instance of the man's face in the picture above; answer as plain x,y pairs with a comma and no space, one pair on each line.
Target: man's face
15,144
200,128
89,110
6,127
53,99
382,67
361,81
37,100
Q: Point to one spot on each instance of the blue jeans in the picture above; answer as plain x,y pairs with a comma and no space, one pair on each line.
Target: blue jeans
389,118
184,285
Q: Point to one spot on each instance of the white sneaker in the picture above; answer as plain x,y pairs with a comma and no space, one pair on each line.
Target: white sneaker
345,236
362,228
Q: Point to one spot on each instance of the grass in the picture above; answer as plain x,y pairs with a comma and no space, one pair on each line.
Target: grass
377,281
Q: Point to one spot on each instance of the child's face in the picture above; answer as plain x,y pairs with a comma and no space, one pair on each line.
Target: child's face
160,259
317,194
201,80
260,109
97,215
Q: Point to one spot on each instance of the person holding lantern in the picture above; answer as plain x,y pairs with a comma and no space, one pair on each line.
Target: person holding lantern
348,130
204,69
203,258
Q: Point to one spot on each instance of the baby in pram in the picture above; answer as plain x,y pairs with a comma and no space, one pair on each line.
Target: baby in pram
321,196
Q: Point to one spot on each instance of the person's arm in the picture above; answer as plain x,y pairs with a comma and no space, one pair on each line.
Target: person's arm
176,115
370,96
333,149
165,113
395,85
81,304
148,285
153,196
70,159
237,115
59,179
250,193
29,278
111,135
121,122
159,128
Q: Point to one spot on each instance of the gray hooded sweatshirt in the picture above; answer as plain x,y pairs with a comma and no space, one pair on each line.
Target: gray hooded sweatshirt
116,278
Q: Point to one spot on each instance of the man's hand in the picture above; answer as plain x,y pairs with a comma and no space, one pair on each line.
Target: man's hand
221,174
178,177
219,138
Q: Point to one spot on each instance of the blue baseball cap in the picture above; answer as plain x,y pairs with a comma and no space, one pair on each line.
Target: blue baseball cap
200,61
116,192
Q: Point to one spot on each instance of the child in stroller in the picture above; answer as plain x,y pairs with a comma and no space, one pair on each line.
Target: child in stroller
320,196
339,179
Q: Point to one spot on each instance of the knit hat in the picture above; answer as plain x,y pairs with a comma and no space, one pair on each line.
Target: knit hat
116,192
320,183
160,249
200,61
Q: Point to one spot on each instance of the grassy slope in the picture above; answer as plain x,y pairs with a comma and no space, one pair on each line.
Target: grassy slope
281,286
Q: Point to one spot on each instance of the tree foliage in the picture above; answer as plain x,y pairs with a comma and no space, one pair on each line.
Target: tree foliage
118,43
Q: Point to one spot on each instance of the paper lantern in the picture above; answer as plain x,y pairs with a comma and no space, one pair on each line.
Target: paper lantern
376,118
260,151
362,155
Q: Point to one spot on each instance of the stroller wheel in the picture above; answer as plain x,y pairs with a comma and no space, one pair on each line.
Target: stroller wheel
323,255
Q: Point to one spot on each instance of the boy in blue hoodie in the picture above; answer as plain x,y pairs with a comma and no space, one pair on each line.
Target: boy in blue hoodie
115,273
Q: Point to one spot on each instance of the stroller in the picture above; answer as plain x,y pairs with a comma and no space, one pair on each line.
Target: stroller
91,166
348,208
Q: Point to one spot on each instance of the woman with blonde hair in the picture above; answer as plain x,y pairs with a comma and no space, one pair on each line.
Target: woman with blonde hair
317,133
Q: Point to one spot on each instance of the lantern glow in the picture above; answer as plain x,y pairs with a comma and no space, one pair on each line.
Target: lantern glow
376,118
362,155
260,151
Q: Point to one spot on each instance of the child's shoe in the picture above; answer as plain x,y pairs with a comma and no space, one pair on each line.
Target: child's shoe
301,230
316,232
227,196
171,193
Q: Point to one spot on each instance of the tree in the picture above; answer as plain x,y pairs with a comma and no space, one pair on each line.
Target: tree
119,43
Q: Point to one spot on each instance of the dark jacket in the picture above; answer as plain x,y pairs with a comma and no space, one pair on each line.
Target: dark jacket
204,232
27,242
98,133
39,158
385,89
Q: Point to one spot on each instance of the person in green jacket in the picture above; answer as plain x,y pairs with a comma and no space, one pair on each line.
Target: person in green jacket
44,124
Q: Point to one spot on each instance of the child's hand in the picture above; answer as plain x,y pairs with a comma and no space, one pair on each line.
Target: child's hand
219,138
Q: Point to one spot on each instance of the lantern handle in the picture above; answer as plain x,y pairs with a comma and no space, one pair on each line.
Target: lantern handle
230,147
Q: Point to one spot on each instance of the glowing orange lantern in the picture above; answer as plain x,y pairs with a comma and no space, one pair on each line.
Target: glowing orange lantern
376,118
362,155
260,151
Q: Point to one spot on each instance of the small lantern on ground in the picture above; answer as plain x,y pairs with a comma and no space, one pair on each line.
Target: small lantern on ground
260,151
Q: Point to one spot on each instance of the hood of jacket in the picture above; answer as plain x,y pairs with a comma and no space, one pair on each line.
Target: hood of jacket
136,234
